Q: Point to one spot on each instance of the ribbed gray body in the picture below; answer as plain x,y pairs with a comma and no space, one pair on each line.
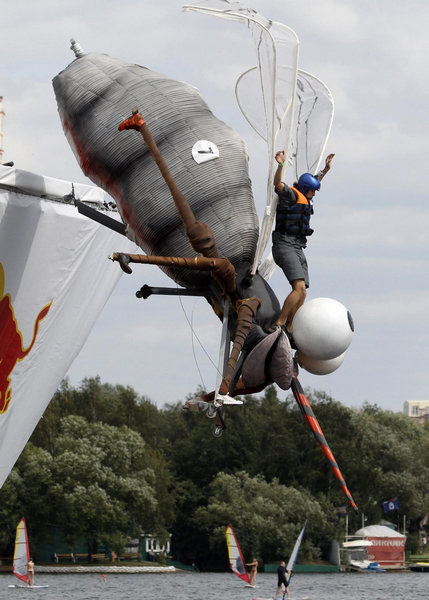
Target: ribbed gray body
94,94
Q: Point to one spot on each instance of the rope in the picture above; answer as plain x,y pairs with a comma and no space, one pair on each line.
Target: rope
194,337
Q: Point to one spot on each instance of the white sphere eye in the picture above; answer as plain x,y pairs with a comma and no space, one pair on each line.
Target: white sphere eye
322,328
319,367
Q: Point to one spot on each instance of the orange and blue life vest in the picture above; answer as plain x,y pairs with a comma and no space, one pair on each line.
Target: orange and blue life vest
293,218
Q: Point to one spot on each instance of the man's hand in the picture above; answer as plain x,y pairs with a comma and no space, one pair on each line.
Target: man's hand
323,172
280,157
328,161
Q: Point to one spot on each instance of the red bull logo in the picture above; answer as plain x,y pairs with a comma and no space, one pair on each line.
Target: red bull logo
11,343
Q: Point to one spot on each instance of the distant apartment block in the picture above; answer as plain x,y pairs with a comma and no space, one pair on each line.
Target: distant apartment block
417,409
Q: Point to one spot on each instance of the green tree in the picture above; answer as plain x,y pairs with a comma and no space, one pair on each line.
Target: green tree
100,402
102,484
88,467
389,447
24,494
266,517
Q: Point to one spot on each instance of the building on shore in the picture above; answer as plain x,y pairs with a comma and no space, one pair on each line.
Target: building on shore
387,546
417,409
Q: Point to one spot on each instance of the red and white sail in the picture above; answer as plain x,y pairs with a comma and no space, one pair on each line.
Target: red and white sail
236,561
21,553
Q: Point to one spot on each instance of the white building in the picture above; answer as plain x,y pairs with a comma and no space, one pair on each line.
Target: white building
152,548
417,409
387,546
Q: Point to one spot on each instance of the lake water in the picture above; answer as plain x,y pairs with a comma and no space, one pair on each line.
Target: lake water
222,586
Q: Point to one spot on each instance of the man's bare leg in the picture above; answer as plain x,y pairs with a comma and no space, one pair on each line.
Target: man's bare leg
295,299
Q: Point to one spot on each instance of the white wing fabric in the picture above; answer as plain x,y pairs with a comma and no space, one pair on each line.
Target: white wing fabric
54,281
314,111
277,63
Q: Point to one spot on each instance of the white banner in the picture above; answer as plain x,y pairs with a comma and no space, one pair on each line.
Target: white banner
54,280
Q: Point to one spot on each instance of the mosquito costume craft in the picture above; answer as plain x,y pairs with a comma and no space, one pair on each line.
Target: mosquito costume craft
175,234
180,180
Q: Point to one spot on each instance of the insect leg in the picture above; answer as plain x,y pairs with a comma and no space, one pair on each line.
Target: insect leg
199,234
222,269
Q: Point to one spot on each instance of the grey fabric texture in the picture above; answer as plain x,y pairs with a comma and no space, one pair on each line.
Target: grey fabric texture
258,371
94,94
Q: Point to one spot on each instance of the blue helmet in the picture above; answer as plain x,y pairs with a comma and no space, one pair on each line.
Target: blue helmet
308,182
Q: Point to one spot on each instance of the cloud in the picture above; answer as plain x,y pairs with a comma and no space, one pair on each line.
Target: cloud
387,227
405,306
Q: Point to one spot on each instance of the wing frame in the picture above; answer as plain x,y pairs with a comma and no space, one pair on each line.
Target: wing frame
277,121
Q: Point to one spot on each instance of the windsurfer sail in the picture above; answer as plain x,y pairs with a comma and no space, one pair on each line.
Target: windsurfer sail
23,567
294,556
21,554
236,561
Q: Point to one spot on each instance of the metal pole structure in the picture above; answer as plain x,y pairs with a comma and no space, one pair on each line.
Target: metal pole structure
1,129
347,527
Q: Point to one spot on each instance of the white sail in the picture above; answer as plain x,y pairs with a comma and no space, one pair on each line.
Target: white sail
294,556
54,281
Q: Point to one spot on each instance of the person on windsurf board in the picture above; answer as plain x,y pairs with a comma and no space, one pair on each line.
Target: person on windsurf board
282,580
30,572
253,571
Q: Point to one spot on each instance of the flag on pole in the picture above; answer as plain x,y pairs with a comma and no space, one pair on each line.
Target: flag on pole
341,511
389,505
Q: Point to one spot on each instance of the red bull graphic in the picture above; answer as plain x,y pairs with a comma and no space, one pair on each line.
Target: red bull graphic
11,343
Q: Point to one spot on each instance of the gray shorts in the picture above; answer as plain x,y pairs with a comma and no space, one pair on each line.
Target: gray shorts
289,255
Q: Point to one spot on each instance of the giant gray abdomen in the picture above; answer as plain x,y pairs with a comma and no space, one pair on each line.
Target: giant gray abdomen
94,94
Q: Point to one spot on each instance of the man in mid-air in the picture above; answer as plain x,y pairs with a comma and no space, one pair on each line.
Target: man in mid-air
294,210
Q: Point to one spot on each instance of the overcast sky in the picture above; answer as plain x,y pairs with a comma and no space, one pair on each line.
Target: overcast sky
370,249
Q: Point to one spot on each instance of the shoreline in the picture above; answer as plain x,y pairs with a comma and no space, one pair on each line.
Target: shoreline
104,569
65,569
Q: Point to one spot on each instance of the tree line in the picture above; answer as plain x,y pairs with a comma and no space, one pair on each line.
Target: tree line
106,464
